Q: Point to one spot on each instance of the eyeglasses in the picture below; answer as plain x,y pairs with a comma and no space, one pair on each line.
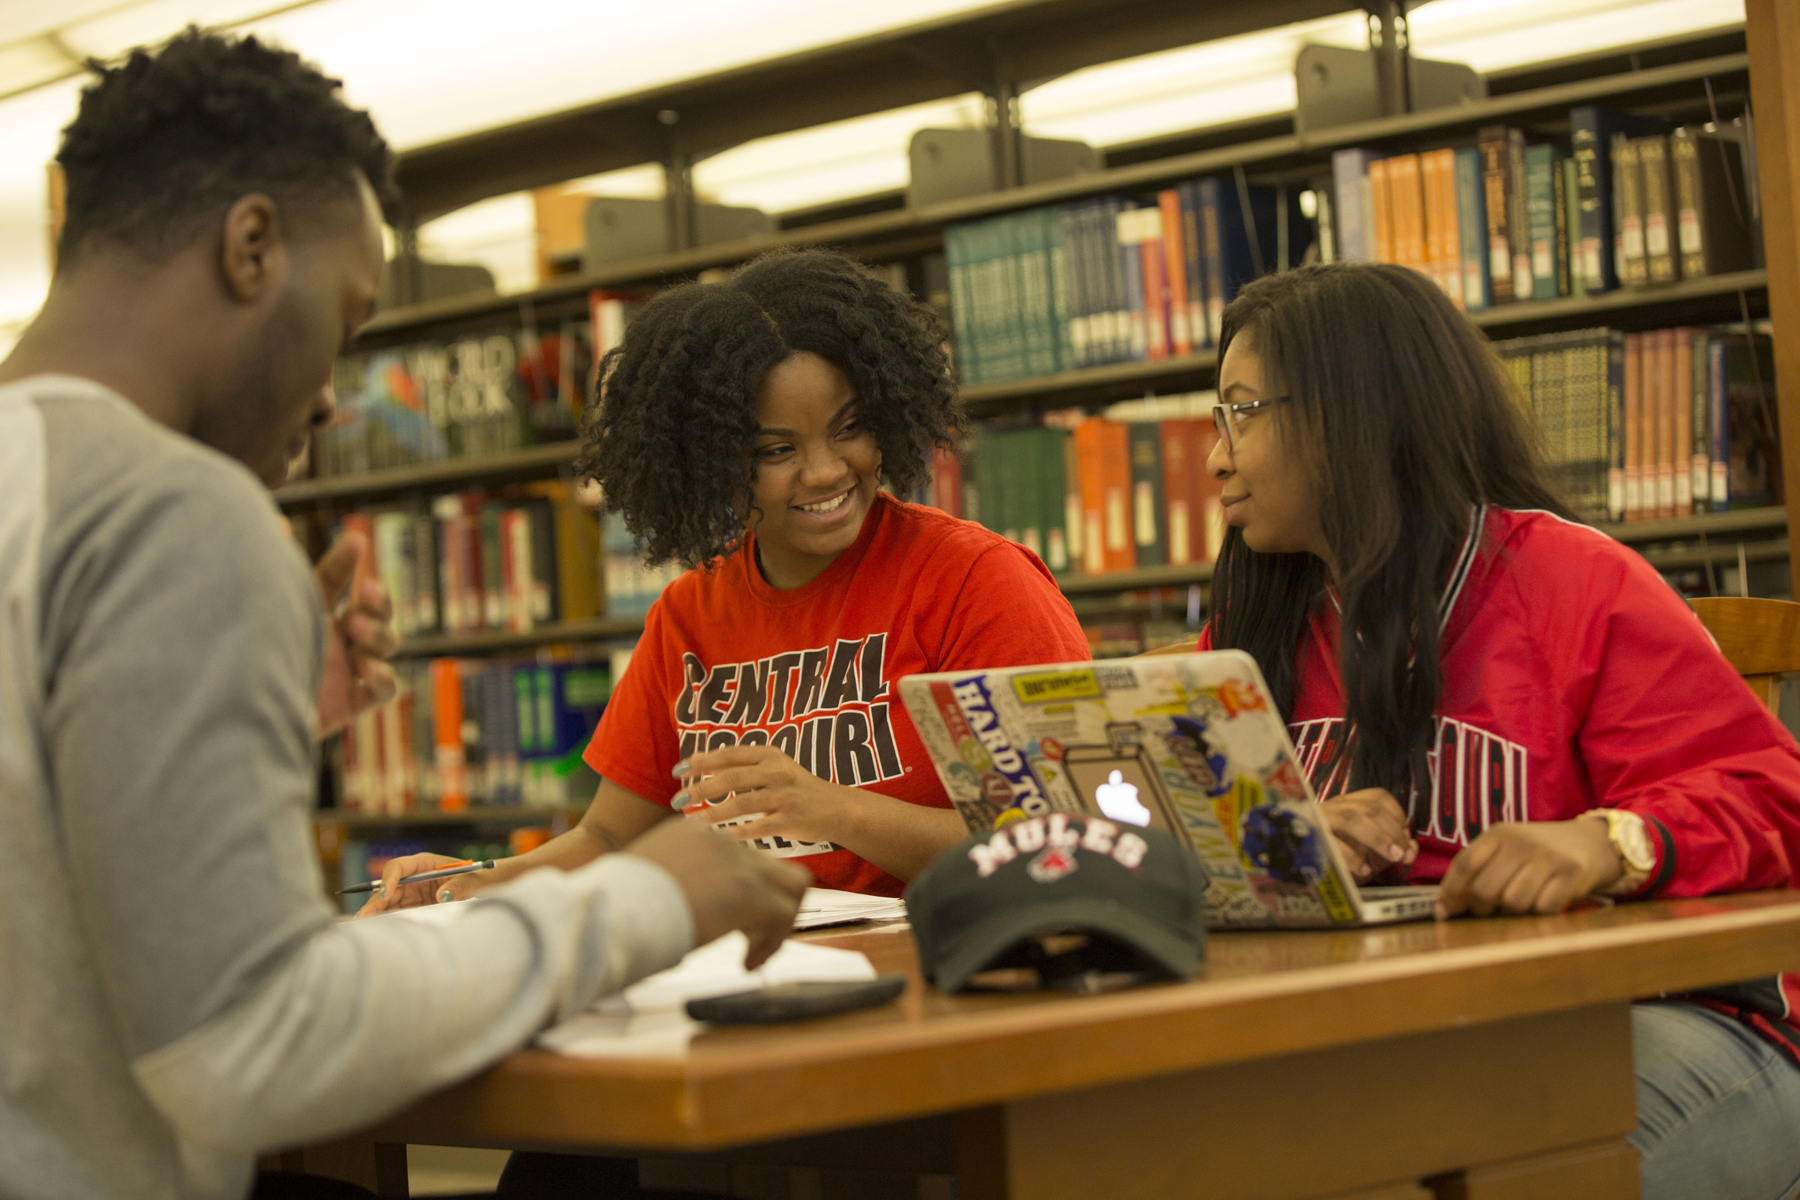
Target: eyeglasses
1225,418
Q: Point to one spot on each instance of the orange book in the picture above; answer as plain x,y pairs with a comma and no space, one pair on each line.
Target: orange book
1408,197
1665,422
447,747
1444,227
1382,209
1682,458
1105,455
1634,427
1156,295
1175,271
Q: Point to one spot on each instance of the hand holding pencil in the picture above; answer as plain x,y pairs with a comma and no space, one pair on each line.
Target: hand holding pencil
456,868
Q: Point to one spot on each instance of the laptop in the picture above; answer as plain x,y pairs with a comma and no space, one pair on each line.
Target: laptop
1187,743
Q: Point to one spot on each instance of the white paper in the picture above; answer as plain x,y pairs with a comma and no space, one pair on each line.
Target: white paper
648,1019
823,906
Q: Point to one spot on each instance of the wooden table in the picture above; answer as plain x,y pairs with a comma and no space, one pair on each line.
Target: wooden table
1478,1058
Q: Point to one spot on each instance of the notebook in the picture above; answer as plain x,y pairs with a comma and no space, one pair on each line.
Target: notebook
1189,743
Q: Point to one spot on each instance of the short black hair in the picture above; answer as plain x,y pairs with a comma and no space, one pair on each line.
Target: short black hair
671,441
165,141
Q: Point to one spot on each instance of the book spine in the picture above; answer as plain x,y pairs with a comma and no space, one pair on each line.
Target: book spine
546,605
1569,244
1212,240
1175,271
1090,452
1381,210
1628,182
1349,173
1634,426
515,538
1593,237
1700,452
1662,260
1056,257
1496,201
1194,255
1540,216
1052,491
1118,289
1663,373
1721,428
1615,425
1037,310
493,577
1074,516
1119,545
447,752
1471,219
1131,275
427,606
1076,276
1450,216
1149,533
1518,217
1681,450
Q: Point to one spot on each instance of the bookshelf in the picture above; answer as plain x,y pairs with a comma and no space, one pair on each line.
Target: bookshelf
1678,87
472,644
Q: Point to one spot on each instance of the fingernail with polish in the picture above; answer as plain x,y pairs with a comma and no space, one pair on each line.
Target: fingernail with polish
680,769
446,896
679,801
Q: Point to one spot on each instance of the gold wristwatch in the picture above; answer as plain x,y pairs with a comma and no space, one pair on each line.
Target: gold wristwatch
1630,840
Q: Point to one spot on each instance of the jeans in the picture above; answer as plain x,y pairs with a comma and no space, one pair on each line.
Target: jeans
1718,1107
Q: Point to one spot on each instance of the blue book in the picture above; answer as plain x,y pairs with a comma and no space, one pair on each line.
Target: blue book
1471,222
1057,259
1076,282
1106,253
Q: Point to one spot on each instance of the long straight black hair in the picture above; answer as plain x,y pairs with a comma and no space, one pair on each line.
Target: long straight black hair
1404,420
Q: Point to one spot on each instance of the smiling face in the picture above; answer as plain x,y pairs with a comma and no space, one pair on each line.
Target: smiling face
817,468
1268,492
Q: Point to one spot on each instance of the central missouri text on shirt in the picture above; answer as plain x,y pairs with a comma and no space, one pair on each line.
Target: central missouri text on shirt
827,708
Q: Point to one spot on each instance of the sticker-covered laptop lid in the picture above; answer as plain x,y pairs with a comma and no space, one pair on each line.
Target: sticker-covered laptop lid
1189,743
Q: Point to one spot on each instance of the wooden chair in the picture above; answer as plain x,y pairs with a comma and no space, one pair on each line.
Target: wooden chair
1760,639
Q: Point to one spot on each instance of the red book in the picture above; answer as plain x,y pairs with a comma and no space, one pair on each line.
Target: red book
516,568
1175,271
1181,466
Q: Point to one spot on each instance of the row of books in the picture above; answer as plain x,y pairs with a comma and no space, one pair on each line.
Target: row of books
511,560
1641,426
471,397
1114,279
1093,495
483,732
1627,201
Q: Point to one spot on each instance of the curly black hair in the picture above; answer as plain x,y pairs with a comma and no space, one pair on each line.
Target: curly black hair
167,140
671,441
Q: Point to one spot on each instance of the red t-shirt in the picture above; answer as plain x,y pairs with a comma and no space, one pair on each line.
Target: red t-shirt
726,658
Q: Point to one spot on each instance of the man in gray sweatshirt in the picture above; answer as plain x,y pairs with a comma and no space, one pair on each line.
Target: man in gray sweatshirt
175,994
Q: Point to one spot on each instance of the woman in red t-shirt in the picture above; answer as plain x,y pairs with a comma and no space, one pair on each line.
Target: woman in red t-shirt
746,426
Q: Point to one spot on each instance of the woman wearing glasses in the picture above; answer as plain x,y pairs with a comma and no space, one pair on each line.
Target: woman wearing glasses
1491,694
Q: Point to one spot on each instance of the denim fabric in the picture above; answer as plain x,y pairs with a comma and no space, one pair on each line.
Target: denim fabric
1718,1107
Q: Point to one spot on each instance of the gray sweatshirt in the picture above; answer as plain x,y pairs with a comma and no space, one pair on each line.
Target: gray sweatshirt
175,994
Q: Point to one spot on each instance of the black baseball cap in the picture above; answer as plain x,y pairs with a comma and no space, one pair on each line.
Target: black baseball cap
983,903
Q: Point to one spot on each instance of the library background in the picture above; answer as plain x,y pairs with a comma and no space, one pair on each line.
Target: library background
1604,186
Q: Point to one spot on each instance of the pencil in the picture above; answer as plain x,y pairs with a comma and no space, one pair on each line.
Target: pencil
426,877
